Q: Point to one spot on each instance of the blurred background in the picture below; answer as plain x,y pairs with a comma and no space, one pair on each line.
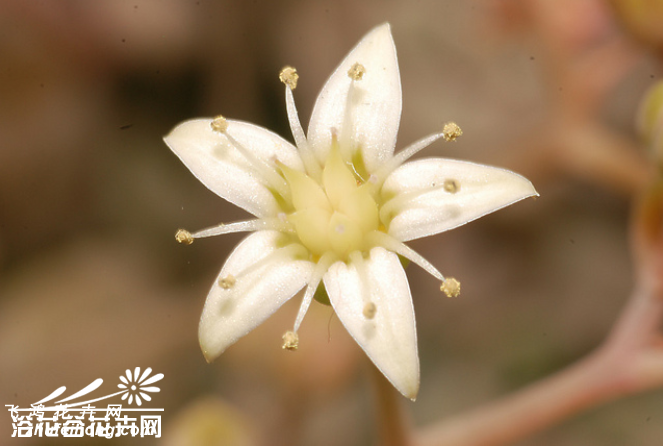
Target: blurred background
92,281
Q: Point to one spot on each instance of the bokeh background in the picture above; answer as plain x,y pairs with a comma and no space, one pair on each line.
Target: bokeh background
92,281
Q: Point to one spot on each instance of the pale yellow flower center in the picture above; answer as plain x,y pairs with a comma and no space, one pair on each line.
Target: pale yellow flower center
334,215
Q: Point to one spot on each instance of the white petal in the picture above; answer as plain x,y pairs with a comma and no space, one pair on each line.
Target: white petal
272,279
389,338
482,190
376,114
223,169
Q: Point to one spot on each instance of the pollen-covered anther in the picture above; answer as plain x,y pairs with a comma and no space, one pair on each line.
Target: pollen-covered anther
451,185
451,131
227,282
356,72
183,237
219,124
290,341
370,309
450,287
289,77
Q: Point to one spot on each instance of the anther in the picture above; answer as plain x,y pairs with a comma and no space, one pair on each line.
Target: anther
183,237
451,185
370,309
450,287
289,77
290,341
219,124
356,72
451,131
227,282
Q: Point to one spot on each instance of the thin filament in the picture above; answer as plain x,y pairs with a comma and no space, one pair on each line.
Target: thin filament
269,173
398,202
291,252
404,155
247,225
358,261
384,240
320,269
308,157
347,128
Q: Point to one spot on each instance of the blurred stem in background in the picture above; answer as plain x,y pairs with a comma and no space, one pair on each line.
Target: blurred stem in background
630,360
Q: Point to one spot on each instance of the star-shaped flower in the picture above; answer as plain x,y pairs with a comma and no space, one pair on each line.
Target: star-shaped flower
335,210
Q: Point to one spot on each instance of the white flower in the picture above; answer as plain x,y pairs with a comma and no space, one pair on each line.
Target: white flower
335,209
135,385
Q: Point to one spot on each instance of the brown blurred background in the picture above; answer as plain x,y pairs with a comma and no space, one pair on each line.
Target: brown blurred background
92,281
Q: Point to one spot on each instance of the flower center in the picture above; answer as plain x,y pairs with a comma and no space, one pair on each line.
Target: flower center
335,214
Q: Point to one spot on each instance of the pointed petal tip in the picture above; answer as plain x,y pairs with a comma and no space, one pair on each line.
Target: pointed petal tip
384,30
209,356
411,394
533,192
376,112
211,350
384,26
409,388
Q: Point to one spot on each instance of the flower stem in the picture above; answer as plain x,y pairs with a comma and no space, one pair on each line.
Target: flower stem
393,429
630,361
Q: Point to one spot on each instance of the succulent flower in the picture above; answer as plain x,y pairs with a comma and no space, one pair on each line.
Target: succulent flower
333,211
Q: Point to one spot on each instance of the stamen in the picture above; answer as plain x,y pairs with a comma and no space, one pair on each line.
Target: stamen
403,155
358,261
227,282
318,272
289,77
220,124
370,309
356,72
290,341
451,131
291,251
451,185
273,223
308,157
450,287
396,205
184,237
381,239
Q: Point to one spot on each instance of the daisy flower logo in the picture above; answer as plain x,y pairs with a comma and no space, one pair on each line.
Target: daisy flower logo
135,385
334,210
